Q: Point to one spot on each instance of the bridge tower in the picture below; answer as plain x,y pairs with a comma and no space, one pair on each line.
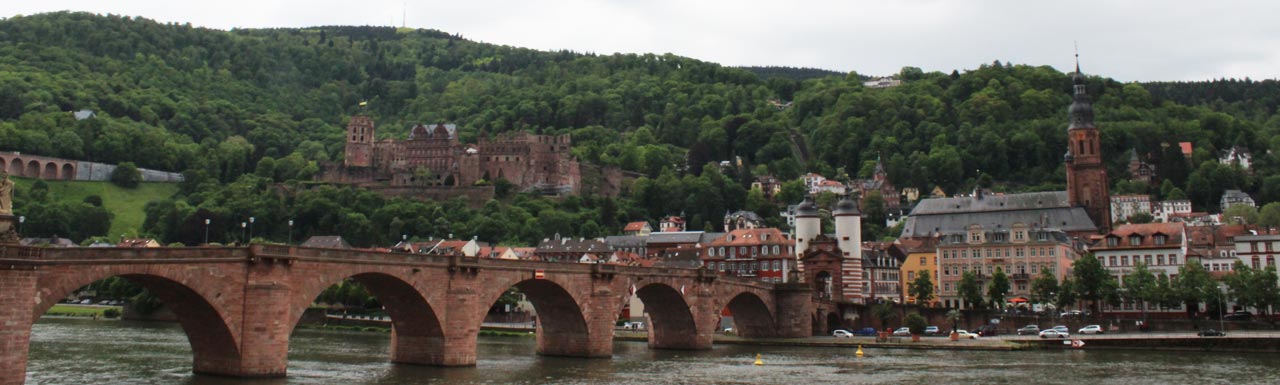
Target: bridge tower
849,238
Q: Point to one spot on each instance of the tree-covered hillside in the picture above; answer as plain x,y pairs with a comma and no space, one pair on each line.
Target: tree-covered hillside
217,104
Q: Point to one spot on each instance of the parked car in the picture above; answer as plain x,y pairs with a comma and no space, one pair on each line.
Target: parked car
1029,330
931,331
902,331
633,326
1211,333
865,332
965,334
841,333
988,330
1073,313
1090,329
1056,332
1239,316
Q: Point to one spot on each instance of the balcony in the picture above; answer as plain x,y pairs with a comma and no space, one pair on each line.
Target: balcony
1020,276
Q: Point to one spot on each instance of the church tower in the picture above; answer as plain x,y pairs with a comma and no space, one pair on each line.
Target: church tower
359,150
1087,184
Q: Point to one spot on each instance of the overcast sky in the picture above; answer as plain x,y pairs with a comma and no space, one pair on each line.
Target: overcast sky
1125,40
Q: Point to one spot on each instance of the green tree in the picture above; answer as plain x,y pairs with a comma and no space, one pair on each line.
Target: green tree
970,290
998,289
126,175
1091,281
1240,214
1140,286
916,323
921,288
1141,218
1193,286
1269,216
1066,294
1044,287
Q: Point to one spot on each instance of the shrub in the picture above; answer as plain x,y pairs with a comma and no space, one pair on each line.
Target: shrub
111,313
916,323
126,175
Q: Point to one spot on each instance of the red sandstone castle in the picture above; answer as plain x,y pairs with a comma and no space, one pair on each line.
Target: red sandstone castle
433,157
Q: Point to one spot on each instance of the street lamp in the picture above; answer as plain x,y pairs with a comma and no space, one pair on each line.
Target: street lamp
290,232
251,228
21,218
206,231
242,230
1222,302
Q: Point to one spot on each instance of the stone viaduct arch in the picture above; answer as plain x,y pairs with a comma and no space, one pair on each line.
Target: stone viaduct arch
32,166
240,305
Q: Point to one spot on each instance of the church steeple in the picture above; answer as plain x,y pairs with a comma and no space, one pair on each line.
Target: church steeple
1087,183
1081,109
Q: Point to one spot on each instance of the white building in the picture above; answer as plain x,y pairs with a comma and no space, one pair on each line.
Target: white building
1236,155
1161,246
884,82
1125,206
1235,197
1163,209
1258,251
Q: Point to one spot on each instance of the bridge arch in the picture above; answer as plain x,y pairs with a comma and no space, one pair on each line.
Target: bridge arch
417,334
673,322
201,309
33,169
68,172
15,167
50,171
562,327
752,316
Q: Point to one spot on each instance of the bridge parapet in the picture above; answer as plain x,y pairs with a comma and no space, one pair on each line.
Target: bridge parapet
45,255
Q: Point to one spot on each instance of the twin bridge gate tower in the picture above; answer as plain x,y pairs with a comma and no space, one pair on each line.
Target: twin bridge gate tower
239,305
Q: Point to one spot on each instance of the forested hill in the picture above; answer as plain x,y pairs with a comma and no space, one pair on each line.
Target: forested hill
174,97
792,73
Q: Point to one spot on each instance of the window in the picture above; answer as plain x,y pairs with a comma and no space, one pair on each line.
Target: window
922,261
777,265
776,250
911,275
1160,259
1135,240
1113,241
1159,239
711,252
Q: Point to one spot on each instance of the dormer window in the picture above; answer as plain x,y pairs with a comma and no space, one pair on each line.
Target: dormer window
1135,240
1159,239
1113,241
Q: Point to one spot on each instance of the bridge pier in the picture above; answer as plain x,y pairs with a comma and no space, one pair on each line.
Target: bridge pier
600,314
17,291
267,323
794,304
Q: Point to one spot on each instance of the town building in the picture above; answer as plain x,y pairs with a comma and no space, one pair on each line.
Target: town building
1020,250
1140,170
326,242
1125,206
742,219
885,82
882,271
433,156
921,258
1162,211
559,249
767,184
1236,155
1087,183
829,186
671,223
1258,249
1235,198
631,243
48,242
637,228
763,253
1162,247
879,182
811,181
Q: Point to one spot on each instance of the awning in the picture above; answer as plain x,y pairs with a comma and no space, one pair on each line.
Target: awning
1018,300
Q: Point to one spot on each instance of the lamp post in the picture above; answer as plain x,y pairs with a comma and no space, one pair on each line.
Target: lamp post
21,218
290,232
251,228
206,231
1222,302
243,231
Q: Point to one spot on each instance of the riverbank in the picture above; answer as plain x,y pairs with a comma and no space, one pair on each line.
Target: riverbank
931,343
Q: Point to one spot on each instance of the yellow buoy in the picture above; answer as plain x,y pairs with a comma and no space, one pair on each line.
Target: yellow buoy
859,353
758,361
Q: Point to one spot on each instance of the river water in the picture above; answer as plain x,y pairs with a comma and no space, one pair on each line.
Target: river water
80,351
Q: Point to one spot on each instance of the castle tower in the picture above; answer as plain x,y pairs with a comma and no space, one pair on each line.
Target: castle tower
808,225
1087,184
849,238
359,151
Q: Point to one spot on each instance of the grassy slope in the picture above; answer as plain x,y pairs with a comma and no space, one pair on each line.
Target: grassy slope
127,204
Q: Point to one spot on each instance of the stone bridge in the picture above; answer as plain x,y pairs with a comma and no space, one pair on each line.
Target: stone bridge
238,306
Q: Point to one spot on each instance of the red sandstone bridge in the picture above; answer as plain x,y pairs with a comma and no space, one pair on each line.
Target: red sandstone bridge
238,306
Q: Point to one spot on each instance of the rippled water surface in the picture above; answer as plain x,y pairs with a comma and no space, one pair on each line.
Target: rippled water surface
74,351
